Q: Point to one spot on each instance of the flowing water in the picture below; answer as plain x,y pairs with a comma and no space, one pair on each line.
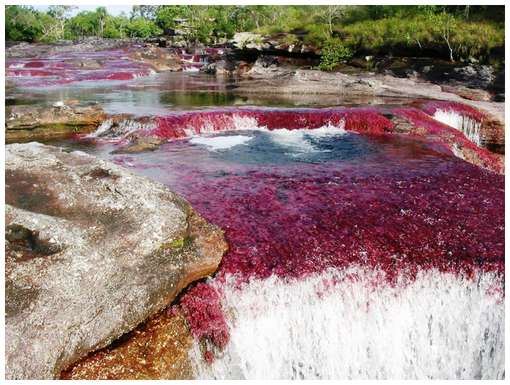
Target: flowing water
353,253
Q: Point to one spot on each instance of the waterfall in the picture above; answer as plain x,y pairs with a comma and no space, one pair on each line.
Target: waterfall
469,126
349,325
111,129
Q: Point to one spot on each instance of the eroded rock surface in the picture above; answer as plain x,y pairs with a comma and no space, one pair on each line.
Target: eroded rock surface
91,251
157,349
158,58
27,122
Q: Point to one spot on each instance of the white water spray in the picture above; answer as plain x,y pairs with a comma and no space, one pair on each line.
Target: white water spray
470,127
439,326
298,140
118,130
221,142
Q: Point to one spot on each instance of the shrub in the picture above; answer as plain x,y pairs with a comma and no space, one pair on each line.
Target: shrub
333,53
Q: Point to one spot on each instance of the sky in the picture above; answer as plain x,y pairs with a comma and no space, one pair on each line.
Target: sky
114,10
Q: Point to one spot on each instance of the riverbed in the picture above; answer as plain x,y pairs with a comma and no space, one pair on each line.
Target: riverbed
355,250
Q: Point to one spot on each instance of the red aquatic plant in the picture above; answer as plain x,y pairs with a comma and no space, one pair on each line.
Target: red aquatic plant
431,107
202,307
67,67
448,136
363,120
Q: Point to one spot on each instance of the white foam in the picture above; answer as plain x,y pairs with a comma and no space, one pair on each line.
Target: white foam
111,129
298,140
221,142
469,126
190,69
439,326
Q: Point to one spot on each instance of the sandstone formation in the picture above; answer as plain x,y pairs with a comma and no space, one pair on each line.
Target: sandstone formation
157,349
92,251
158,58
27,122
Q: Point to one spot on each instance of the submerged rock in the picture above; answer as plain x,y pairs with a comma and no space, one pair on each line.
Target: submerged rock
25,122
91,251
141,144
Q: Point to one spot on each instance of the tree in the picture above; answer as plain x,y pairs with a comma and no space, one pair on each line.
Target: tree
145,11
101,19
330,14
22,23
445,24
141,27
60,13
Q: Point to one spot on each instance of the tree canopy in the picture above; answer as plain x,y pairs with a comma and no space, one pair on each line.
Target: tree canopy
459,30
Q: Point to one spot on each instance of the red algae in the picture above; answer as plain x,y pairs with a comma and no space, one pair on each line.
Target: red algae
66,68
411,208
202,307
462,109
363,120
453,139
408,207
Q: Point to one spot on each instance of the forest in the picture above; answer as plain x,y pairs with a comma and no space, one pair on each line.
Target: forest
339,31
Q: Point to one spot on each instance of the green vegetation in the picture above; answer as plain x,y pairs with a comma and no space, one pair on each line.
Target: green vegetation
454,32
333,53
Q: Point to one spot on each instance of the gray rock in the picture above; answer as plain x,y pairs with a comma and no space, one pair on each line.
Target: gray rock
268,67
92,250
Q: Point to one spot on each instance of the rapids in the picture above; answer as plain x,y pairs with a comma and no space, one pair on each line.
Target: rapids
352,255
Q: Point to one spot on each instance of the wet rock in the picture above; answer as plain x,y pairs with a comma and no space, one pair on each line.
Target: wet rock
479,76
222,67
141,144
26,122
91,251
88,64
86,44
123,126
268,67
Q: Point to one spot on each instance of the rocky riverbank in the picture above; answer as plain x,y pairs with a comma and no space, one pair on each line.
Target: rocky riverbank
92,250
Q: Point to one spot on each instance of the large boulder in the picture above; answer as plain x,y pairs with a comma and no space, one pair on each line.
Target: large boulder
249,40
92,250
160,59
28,122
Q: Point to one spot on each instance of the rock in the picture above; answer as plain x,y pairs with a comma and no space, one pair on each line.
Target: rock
157,349
87,64
468,93
221,67
92,250
266,61
268,67
474,75
158,58
123,126
27,122
248,40
86,44
141,144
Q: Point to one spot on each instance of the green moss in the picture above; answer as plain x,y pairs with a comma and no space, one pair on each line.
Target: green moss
176,244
